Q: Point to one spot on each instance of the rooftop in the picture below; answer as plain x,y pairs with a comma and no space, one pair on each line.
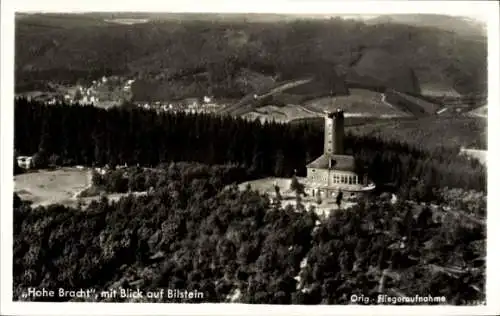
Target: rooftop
341,162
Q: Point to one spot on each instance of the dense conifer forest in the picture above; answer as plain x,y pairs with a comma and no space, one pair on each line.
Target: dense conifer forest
64,135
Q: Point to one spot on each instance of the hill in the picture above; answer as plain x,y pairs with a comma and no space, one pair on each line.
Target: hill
189,232
90,47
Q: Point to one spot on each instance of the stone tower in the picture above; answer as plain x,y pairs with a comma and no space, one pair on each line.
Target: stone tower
334,133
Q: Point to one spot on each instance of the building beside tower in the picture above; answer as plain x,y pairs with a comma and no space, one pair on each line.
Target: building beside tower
334,171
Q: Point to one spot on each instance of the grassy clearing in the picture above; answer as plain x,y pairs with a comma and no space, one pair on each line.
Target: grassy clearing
47,187
62,186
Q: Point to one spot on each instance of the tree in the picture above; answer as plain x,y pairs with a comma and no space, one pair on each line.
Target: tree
279,166
297,187
339,197
55,160
278,193
318,198
40,160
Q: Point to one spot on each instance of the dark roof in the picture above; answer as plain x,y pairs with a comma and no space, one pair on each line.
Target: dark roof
342,162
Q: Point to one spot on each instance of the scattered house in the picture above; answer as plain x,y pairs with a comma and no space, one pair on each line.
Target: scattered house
207,99
25,162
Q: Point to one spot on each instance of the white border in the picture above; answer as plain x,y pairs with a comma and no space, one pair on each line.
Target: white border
482,10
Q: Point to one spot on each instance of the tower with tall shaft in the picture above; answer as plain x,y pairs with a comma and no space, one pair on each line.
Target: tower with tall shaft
334,133
334,171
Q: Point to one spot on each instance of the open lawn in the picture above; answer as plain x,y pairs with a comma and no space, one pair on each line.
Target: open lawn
61,186
45,187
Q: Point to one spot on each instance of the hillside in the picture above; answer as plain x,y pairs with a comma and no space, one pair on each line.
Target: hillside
385,69
290,92
48,47
430,132
408,103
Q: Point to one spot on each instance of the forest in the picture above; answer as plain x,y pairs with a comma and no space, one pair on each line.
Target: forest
85,135
234,246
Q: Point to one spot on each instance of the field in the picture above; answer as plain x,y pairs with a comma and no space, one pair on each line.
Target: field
280,114
60,186
360,103
49,187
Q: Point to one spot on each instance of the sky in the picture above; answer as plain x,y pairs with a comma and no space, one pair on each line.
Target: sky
479,10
